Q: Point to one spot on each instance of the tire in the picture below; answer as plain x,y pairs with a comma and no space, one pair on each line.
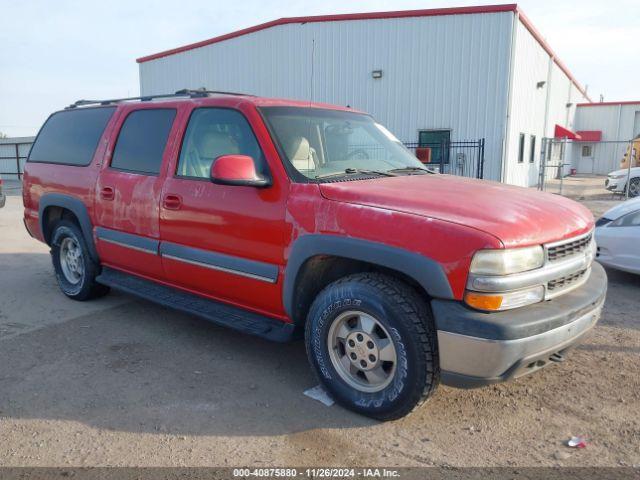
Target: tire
634,187
370,385
76,276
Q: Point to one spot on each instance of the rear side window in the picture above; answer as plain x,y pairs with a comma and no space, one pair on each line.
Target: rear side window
142,139
71,137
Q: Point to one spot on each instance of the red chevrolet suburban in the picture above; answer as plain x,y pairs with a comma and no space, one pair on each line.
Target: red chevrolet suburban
286,219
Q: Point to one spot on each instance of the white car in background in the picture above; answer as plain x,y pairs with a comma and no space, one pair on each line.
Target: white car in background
618,237
616,182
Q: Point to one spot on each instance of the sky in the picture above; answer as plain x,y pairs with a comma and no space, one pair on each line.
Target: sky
53,53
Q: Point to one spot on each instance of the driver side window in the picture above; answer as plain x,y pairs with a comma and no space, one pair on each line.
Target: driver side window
211,133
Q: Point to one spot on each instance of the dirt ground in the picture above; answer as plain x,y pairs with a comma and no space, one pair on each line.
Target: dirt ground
123,382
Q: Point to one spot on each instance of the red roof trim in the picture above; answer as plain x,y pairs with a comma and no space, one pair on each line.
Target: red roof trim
432,12
603,104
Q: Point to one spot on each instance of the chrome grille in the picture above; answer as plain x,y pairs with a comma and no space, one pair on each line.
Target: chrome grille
566,249
565,282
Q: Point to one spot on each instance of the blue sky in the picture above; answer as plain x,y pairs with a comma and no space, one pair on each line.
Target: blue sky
53,53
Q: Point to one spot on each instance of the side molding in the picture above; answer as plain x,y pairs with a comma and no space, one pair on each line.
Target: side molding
243,267
426,271
78,208
128,240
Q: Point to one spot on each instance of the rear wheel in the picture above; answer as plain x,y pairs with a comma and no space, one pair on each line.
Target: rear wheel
75,269
634,187
371,342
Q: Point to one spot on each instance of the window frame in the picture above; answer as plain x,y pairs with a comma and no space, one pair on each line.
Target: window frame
117,139
521,147
176,175
582,150
532,149
106,127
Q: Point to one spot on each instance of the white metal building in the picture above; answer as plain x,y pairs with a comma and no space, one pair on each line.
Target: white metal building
458,73
605,130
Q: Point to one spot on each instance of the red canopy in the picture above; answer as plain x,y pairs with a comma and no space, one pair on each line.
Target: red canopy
561,132
590,135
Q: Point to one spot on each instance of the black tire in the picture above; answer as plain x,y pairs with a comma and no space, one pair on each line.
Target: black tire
85,287
401,312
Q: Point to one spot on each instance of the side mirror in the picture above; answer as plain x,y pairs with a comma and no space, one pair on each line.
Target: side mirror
237,170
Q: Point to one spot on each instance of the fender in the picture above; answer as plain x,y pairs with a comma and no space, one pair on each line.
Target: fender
424,270
78,208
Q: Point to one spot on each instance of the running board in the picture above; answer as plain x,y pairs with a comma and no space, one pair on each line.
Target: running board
217,312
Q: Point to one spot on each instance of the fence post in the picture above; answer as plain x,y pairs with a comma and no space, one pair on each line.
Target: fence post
630,158
17,160
541,172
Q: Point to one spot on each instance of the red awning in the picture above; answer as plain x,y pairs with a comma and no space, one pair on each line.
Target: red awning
590,135
561,132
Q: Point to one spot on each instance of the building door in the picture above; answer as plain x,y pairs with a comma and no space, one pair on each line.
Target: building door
636,125
438,141
586,158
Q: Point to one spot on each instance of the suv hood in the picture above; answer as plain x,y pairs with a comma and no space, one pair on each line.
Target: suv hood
515,215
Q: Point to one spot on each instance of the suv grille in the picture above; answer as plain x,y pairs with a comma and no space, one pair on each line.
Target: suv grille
569,248
565,282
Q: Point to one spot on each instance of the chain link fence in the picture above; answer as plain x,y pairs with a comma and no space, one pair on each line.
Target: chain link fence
617,163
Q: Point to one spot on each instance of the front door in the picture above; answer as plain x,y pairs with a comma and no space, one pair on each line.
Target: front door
128,192
586,158
222,241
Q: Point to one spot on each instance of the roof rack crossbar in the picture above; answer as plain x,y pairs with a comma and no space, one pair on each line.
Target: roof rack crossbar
185,92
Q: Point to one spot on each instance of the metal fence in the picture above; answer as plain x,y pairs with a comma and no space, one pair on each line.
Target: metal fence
562,157
462,158
13,154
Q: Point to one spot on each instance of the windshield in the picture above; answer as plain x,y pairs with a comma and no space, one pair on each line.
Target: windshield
326,143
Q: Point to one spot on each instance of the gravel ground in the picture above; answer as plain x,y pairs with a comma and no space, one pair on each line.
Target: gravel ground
119,381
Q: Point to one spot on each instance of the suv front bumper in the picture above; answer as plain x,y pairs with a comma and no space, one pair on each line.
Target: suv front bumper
478,348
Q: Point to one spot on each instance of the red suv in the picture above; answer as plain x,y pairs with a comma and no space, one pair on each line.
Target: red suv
284,219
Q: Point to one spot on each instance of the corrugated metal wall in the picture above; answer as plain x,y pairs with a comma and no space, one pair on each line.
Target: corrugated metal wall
618,123
529,103
441,72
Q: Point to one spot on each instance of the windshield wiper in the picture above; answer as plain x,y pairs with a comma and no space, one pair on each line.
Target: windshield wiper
411,169
351,171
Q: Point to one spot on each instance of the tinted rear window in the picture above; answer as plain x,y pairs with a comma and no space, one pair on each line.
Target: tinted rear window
142,139
71,137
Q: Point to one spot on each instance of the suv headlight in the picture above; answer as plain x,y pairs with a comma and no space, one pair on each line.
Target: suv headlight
507,261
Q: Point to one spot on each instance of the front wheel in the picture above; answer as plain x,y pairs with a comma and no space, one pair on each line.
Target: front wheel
371,341
75,269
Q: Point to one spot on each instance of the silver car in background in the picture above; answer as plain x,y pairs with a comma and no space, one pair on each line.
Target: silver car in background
616,182
618,237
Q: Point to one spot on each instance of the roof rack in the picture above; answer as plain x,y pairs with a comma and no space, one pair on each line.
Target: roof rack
185,92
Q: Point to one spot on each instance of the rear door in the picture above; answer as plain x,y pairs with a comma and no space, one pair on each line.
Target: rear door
129,187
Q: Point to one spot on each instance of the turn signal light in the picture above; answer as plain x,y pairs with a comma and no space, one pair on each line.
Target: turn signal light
491,302
482,301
